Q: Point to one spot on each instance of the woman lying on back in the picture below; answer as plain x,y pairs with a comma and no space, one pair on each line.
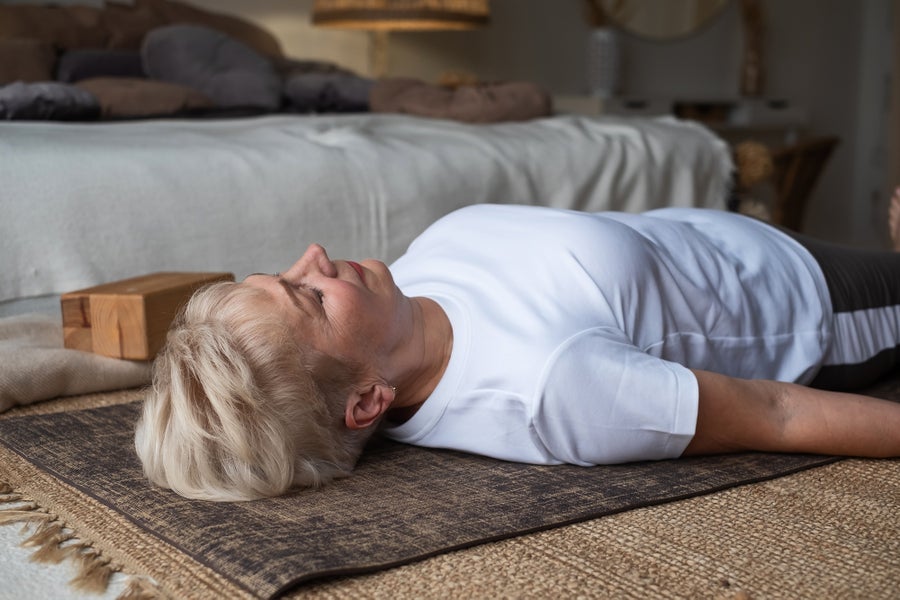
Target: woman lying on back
533,335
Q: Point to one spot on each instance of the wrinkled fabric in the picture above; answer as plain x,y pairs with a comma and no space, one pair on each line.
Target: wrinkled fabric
47,101
103,202
35,366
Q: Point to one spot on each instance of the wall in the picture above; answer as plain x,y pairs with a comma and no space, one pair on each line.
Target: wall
831,57
877,101
828,66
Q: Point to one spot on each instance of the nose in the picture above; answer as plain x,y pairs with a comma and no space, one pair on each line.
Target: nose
314,261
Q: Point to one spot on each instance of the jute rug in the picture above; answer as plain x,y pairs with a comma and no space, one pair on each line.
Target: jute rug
403,504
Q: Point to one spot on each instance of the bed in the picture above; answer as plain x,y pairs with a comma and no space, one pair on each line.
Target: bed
87,203
158,136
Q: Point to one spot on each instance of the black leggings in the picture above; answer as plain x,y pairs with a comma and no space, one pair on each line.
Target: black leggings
864,286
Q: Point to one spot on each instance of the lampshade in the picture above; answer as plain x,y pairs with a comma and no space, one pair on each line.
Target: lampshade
409,15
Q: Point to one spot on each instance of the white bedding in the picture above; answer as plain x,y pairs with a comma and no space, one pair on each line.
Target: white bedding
82,204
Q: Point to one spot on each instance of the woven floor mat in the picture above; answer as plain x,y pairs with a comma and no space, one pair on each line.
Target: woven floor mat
831,532
403,504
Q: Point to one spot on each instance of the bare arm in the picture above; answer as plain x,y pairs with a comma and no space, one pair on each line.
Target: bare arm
742,414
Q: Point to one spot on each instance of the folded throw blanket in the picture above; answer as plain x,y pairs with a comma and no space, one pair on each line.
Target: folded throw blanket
481,103
35,366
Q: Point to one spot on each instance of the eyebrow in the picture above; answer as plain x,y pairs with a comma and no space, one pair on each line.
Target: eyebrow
290,293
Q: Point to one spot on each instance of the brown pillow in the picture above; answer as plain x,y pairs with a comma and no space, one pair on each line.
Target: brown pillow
123,97
482,103
62,26
26,60
128,25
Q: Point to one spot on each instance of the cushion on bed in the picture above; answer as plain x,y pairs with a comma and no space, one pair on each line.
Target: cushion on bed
288,67
127,25
241,29
121,97
76,65
483,103
26,60
228,71
63,26
47,100
121,26
327,92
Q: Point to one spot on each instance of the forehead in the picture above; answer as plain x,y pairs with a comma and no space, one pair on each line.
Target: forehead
280,298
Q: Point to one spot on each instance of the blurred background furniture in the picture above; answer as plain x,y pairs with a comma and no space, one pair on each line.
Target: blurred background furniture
380,17
796,169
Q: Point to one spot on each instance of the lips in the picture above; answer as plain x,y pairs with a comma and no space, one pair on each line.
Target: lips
358,268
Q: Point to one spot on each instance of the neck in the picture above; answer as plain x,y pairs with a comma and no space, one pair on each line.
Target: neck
429,355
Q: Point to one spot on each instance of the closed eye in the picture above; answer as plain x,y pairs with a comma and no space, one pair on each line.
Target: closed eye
291,291
316,291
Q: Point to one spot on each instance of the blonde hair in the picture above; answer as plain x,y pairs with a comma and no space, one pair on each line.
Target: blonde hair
238,409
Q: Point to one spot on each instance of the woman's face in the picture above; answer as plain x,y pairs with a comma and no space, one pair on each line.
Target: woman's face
351,311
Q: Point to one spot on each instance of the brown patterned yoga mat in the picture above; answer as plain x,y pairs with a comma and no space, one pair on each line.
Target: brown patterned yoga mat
402,504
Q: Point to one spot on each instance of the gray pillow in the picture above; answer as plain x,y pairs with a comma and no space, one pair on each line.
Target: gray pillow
76,65
227,71
47,100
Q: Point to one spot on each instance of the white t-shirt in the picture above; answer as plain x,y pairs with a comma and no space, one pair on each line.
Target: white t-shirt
573,332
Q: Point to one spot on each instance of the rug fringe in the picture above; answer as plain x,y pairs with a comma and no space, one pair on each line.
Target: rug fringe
23,514
94,571
140,588
50,538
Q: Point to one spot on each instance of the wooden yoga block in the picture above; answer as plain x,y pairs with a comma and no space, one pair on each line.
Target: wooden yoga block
129,318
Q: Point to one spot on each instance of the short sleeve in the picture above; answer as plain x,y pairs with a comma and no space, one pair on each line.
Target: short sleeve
603,400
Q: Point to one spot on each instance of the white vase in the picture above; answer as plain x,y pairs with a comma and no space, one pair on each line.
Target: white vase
604,57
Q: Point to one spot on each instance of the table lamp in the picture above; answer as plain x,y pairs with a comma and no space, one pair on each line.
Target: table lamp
379,17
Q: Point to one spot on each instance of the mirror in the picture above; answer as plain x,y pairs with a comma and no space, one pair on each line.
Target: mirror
660,20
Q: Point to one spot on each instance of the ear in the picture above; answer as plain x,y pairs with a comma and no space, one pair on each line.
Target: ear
365,406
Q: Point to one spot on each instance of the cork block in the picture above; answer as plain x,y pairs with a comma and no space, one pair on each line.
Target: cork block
129,318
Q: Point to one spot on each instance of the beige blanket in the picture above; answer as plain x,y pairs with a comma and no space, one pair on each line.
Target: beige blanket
35,366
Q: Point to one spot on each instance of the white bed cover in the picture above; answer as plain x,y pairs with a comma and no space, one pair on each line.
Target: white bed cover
83,204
